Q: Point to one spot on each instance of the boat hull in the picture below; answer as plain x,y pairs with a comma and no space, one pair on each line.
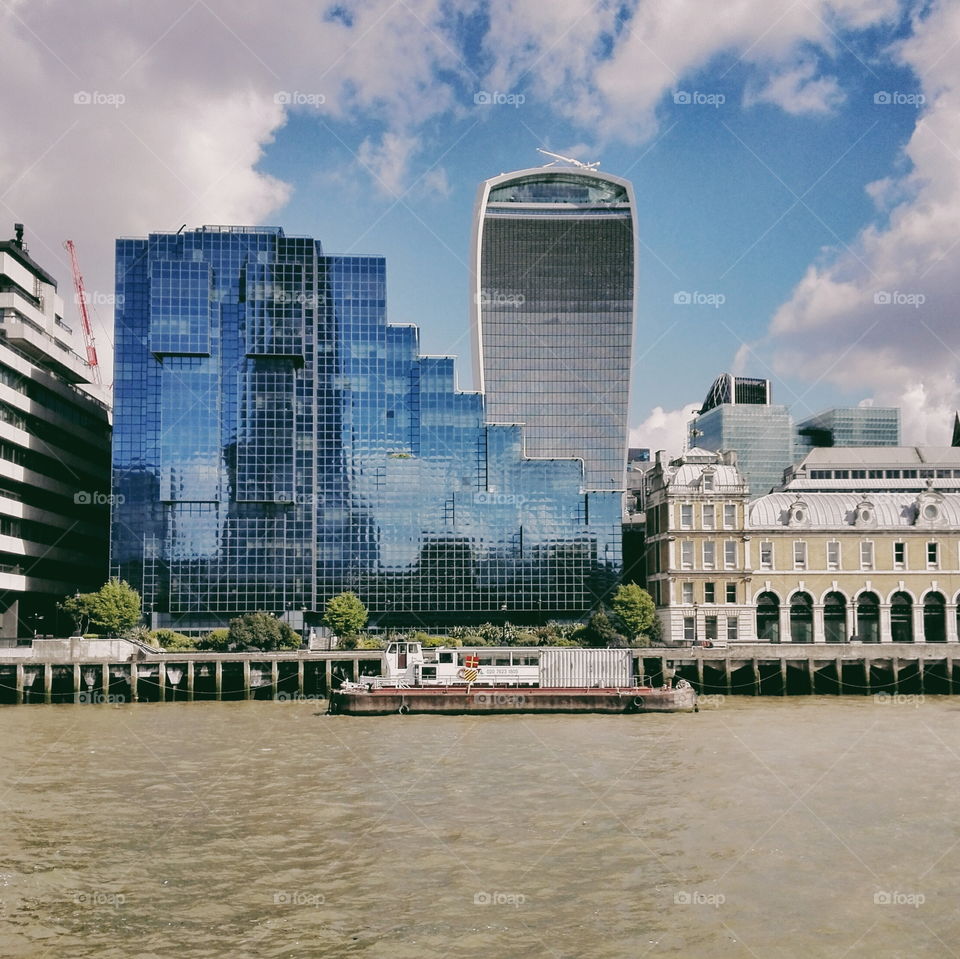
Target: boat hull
479,700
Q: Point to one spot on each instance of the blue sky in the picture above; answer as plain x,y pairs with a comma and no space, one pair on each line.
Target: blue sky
783,191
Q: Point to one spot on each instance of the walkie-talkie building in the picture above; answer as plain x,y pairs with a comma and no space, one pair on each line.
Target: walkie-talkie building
276,441
553,276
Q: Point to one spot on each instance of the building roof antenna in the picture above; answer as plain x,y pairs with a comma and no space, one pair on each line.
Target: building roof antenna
570,160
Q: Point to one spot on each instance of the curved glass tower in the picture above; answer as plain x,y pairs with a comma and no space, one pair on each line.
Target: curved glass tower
553,276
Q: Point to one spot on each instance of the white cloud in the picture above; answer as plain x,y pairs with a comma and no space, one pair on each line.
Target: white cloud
882,316
664,430
797,89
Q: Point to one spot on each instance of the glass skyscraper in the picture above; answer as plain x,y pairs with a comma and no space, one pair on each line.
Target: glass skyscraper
553,266
277,442
850,426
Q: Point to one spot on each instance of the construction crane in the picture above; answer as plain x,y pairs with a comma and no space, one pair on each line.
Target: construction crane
84,317
570,160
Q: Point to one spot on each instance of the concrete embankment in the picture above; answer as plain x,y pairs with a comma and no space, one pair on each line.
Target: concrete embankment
87,673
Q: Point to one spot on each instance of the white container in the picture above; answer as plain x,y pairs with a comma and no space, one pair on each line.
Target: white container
570,666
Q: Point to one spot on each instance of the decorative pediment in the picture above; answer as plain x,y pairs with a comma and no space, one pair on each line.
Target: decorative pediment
798,513
865,515
928,509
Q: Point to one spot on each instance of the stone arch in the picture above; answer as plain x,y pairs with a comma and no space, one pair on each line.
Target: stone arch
868,617
934,617
901,617
768,616
835,617
801,617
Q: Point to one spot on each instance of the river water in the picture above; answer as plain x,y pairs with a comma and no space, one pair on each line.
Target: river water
756,828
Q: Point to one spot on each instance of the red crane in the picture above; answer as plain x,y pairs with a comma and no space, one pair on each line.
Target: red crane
82,301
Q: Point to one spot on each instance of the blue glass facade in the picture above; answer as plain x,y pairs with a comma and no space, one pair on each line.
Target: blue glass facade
277,442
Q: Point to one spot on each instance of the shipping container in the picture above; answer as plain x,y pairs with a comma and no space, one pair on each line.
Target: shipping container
569,666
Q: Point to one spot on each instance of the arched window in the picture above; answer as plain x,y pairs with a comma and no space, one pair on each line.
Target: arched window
868,618
901,618
934,618
835,617
801,618
768,618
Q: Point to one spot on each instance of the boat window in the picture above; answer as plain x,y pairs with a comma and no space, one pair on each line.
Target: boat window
392,648
445,658
486,661
502,661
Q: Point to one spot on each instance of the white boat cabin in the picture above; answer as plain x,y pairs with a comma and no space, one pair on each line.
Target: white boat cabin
405,664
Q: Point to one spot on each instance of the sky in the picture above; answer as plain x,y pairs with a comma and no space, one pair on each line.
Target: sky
796,164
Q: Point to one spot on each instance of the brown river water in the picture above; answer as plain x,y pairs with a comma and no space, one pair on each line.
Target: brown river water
757,828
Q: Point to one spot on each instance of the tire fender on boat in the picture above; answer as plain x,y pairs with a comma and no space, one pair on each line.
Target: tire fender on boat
638,702
404,709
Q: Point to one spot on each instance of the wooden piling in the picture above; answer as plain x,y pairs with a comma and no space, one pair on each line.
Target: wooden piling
275,677
48,682
783,676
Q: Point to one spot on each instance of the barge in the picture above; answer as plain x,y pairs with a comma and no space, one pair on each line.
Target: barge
549,680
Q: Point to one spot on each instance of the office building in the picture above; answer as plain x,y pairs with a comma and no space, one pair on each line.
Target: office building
850,426
553,286
277,442
738,415
54,453
861,544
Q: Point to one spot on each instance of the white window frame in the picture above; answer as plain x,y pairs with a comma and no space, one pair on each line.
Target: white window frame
709,587
686,593
686,554
730,561
935,562
689,629
799,554
709,546
902,562
726,592
766,547
866,554
708,509
733,628
833,554
729,515
686,516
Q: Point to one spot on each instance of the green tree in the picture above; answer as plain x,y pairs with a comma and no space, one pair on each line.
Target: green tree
635,609
599,631
111,610
261,631
217,641
171,640
345,615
